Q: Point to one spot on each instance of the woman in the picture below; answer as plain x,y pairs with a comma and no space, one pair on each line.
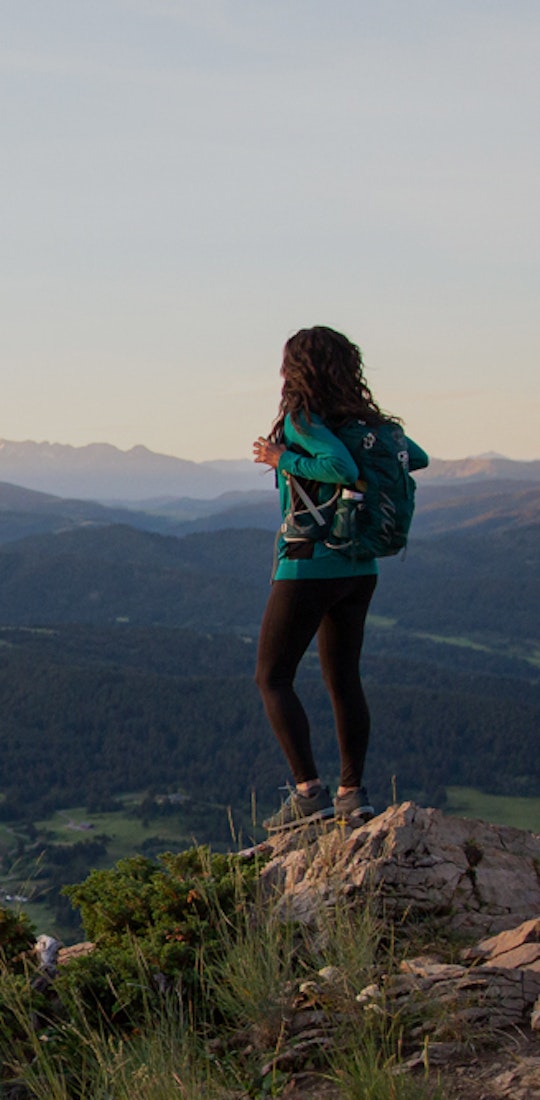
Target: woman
317,590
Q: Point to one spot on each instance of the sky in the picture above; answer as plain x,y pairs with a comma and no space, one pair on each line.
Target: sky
185,183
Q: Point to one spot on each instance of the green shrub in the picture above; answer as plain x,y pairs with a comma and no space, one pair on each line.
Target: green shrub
154,925
16,934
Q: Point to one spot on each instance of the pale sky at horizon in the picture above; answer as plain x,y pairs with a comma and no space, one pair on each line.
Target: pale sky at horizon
187,182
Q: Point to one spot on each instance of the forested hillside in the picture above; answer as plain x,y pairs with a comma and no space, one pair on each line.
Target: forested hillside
127,658
102,574
89,713
471,581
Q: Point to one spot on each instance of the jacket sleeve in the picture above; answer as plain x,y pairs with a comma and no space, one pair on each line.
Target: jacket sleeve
418,459
326,457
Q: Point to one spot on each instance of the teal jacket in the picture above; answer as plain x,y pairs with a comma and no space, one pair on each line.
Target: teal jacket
324,459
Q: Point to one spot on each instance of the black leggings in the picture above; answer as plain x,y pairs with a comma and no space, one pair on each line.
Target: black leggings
335,610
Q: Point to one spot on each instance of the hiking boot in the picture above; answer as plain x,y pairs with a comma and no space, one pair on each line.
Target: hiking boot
299,809
354,805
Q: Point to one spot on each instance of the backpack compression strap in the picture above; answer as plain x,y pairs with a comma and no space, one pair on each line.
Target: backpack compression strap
311,507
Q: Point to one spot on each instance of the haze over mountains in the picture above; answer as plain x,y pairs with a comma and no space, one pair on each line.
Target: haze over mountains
441,506
102,472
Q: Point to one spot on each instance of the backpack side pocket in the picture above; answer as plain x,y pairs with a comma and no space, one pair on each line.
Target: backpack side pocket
349,519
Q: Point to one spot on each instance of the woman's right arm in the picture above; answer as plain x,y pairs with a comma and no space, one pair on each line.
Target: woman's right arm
324,457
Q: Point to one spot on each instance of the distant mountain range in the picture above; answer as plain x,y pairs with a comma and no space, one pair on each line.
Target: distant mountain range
104,473
481,468
100,471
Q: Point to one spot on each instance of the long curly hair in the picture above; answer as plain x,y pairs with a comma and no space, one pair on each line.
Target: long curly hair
323,373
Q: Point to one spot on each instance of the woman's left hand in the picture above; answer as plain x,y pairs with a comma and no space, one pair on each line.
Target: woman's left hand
267,452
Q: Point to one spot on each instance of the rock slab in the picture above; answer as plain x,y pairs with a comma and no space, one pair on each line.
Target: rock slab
479,878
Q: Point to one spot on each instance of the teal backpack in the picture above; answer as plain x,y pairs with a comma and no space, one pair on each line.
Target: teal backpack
373,517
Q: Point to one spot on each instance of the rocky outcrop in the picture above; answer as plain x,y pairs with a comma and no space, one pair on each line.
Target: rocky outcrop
472,885
477,882
495,987
478,879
